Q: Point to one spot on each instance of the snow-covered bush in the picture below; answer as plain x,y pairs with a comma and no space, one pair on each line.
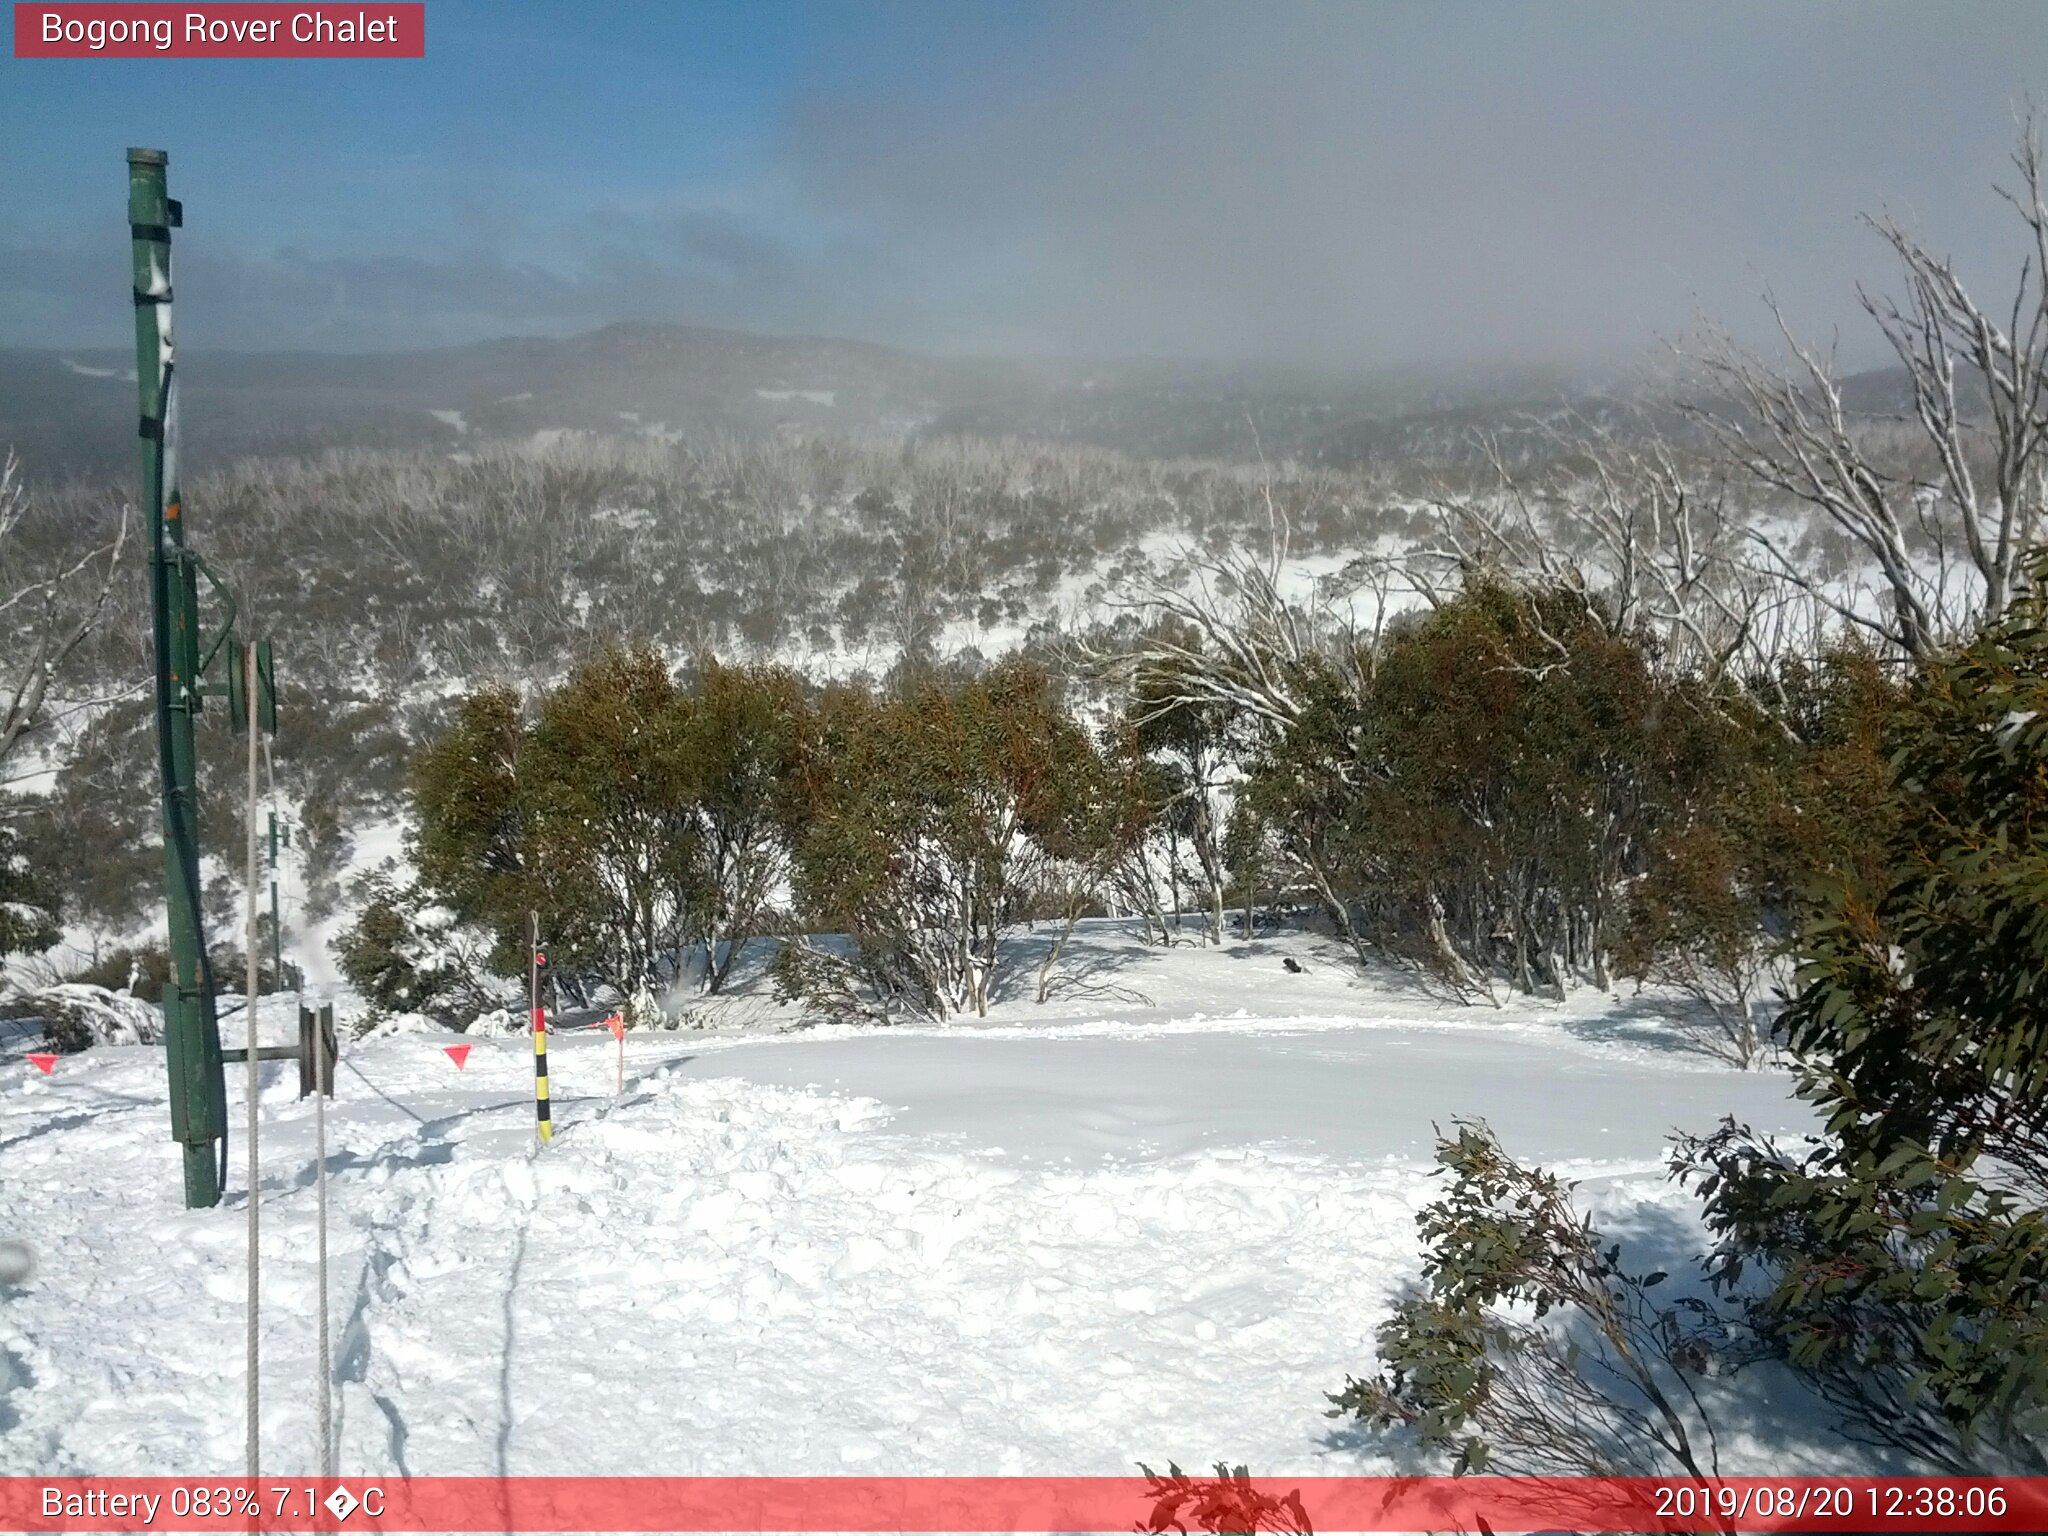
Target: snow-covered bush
407,955
81,1015
384,1026
497,1023
140,972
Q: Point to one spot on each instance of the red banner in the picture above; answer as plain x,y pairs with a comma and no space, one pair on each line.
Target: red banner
1021,1504
216,31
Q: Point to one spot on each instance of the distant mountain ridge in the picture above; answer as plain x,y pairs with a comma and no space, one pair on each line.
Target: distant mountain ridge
72,412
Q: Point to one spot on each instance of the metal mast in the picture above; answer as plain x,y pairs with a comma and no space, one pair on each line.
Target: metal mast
191,1033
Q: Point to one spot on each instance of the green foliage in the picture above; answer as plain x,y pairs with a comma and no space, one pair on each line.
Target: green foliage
1478,796
1899,1261
29,903
1927,998
741,741
1089,825
96,837
1903,1259
650,821
641,817
1191,749
1477,1366
404,956
1782,800
917,828
471,821
373,959
610,854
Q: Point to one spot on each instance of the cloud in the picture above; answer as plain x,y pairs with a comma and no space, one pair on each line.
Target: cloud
1356,185
1371,182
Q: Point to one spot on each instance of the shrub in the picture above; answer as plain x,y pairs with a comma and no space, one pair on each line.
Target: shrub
405,956
1477,795
1903,1258
1787,799
29,903
1532,1350
1899,1261
142,973
78,1016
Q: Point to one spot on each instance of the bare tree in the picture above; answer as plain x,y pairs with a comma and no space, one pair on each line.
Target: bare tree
1230,636
45,620
1650,544
1979,383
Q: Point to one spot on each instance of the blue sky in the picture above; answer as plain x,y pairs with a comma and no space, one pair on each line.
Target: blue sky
1345,183
587,102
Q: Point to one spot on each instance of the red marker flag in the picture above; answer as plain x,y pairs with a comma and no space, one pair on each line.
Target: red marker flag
617,1025
44,1060
459,1054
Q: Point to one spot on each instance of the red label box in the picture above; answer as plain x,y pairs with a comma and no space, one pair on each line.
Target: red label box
1016,1506
366,29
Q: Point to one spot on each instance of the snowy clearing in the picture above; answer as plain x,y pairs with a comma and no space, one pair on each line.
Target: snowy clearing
1053,1247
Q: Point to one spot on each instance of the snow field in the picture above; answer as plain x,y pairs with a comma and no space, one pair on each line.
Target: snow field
734,1280
1044,1248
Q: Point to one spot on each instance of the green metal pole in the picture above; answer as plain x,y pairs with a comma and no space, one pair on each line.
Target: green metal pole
191,1037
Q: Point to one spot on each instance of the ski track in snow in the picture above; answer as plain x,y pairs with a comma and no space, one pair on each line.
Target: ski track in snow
728,1271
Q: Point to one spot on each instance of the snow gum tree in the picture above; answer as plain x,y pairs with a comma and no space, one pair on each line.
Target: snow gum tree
612,841
472,824
49,609
1191,740
1480,802
913,837
1790,796
643,817
1947,539
740,745
1093,820
29,904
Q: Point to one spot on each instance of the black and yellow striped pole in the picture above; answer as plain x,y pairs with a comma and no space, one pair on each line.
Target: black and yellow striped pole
536,961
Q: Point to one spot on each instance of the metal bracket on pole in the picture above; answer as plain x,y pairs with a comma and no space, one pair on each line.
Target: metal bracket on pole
318,1050
222,636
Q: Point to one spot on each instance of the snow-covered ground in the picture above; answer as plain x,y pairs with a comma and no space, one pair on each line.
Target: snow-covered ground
1059,1242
